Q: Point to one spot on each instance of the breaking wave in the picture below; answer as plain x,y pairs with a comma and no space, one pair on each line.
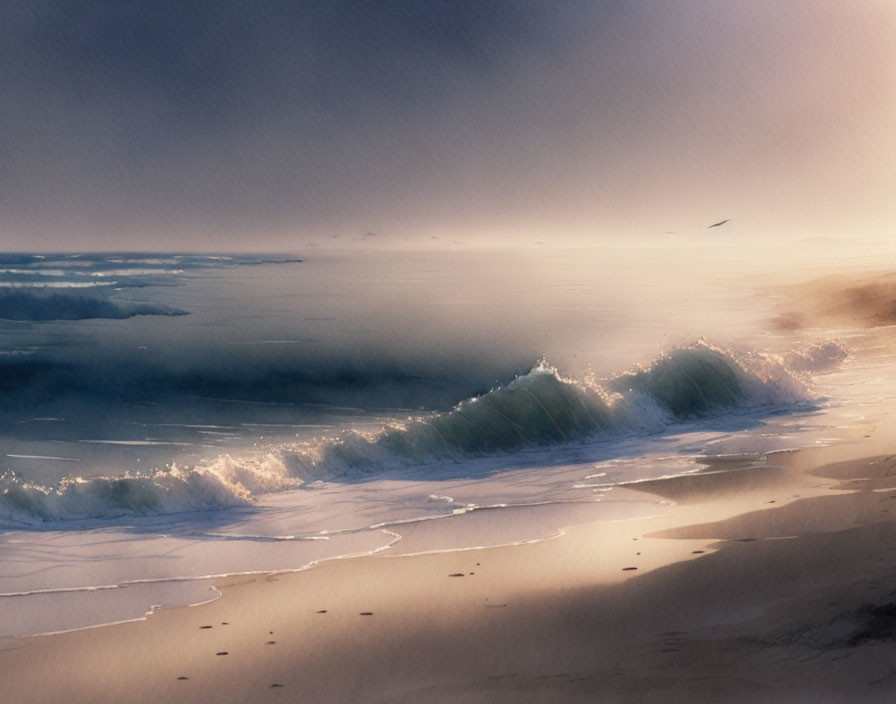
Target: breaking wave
538,409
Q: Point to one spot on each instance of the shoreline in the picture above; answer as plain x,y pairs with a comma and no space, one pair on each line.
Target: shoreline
572,603
422,530
415,531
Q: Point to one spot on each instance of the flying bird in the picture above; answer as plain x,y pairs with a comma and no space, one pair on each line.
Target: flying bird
719,223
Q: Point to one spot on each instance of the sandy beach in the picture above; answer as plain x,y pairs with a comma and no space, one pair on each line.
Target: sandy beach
761,581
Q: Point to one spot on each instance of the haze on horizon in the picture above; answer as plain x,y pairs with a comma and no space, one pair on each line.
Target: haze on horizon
231,126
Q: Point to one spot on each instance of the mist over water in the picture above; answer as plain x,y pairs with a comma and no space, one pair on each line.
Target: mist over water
275,340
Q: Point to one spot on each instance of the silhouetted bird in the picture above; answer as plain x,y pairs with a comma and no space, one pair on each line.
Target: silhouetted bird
719,223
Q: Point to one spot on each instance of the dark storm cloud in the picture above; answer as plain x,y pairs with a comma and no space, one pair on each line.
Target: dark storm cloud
151,110
218,124
205,58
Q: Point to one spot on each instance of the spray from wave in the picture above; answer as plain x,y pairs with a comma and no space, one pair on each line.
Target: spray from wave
538,409
819,357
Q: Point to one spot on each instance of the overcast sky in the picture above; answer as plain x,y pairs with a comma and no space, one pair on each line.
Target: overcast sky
215,124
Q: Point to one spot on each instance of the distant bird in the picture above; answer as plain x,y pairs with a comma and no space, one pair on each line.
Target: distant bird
719,223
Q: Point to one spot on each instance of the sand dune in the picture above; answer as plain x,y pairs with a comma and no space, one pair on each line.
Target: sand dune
846,300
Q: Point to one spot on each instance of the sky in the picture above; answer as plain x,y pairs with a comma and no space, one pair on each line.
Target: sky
223,125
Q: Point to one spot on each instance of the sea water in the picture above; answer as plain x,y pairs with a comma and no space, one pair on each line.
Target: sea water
168,418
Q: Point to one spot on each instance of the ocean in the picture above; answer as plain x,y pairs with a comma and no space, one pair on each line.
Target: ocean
166,418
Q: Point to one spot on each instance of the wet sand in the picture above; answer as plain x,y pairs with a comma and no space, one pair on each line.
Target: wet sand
769,580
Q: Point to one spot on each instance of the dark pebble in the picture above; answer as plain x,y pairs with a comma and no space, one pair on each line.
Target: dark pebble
223,652
271,642
366,613
323,611
456,574
224,623
276,685
697,552
202,627
183,678
628,569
